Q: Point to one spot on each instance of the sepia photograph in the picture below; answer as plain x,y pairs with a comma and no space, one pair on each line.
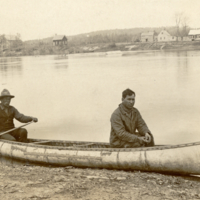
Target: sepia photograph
99,99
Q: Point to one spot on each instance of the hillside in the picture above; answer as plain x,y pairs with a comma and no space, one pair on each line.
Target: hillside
98,41
114,36
106,36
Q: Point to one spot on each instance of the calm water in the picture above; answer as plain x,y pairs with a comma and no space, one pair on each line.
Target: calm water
73,98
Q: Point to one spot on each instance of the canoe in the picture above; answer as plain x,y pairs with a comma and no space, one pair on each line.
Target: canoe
181,159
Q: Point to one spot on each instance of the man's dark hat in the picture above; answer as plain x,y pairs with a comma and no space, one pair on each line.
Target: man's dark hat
6,93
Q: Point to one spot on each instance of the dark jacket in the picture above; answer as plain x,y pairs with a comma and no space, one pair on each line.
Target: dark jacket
6,119
124,126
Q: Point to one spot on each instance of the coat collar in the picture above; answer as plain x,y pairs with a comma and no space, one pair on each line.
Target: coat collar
4,109
124,110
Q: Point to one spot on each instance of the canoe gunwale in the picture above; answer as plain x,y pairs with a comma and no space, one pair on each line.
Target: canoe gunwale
162,147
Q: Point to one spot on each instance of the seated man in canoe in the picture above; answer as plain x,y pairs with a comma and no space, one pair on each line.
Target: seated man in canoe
125,120
7,114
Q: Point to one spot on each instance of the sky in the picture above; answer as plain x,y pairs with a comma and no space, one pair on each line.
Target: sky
37,19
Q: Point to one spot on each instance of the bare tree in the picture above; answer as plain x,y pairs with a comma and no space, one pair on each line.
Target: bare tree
18,37
185,24
178,20
3,41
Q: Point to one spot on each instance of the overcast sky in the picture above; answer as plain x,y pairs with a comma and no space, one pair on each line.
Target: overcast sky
37,19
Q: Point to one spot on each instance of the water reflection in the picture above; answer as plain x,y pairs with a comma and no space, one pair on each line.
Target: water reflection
74,97
61,62
10,65
182,68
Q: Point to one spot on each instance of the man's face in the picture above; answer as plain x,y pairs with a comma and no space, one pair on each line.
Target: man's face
5,101
129,101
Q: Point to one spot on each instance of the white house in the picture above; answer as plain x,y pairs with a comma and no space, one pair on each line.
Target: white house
164,36
7,40
194,34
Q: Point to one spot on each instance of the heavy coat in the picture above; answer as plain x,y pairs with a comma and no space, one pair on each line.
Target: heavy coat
6,119
123,128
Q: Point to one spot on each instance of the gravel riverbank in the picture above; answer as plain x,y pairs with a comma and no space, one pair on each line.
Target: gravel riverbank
36,182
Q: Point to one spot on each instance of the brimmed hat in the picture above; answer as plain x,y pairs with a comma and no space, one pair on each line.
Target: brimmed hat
6,93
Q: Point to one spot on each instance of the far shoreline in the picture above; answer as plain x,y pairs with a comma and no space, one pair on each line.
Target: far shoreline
108,49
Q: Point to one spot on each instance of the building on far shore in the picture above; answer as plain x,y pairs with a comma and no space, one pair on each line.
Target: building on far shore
7,40
194,34
150,36
59,40
164,36
10,38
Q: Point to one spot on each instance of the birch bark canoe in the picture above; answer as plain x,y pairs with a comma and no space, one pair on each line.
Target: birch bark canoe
181,159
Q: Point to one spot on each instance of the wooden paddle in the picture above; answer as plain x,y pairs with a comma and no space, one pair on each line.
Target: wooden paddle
15,128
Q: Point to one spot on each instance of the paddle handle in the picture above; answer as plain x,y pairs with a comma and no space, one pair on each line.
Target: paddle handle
15,128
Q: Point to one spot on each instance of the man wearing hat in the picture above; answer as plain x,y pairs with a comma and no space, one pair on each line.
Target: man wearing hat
7,114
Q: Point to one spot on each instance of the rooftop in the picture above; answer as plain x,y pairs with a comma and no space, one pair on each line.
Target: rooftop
59,37
194,32
148,33
166,32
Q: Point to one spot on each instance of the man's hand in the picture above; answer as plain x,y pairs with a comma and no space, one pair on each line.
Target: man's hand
142,139
147,137
34,119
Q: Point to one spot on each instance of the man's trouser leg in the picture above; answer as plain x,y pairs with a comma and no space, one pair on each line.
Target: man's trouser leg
7,136
20,134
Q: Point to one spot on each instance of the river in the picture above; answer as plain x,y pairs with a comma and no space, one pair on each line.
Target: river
74,97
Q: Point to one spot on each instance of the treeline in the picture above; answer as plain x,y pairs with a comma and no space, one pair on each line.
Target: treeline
117,35
100,38
5,41
110,36
103,40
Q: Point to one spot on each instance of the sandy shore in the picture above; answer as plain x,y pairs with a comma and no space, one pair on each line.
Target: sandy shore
28,182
